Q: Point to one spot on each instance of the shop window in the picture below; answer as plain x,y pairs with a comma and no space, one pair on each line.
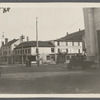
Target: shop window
53,57
5,52
16,59
4,59
32,58
78,50
48,57
68,57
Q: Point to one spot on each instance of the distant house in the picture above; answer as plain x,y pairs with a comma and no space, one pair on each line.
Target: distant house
28,50
71,43
7,51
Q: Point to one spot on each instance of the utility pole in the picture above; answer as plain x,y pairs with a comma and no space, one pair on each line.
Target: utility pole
37,49
22,37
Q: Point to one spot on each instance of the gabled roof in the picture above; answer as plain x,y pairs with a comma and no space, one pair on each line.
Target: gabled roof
34,44
10,42
73,37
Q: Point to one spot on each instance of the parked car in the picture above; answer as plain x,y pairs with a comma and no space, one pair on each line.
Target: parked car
79,61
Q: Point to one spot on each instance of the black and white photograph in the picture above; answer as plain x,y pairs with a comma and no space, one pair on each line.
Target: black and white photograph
49,48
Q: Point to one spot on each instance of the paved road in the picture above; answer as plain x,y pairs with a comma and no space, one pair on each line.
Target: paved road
48,79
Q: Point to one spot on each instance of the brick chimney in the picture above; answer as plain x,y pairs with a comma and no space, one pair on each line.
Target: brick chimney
66,33
27,38
6,40
2,43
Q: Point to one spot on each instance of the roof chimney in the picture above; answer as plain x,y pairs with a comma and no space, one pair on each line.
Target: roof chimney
66,33
6,40
27,38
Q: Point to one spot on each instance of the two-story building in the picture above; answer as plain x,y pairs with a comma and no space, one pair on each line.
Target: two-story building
7,51
28,50
71,43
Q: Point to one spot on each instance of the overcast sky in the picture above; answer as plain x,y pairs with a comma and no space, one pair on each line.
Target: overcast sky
53,21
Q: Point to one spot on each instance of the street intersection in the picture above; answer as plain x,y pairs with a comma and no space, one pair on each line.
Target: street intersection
48,79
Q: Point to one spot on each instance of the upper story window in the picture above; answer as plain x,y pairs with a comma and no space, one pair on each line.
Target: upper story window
72,43
52,50
58,43
78,43
66,50
66,43
18,51
62,43
15,51
58,50
29,51
23,51
26,51
9,51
